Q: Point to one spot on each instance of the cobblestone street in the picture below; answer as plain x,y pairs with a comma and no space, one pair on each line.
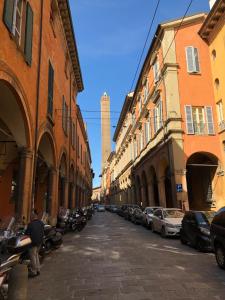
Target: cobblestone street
114,259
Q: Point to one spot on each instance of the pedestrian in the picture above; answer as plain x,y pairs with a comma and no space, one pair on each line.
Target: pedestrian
35,230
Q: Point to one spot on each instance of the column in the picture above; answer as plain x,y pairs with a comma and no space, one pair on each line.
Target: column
24,205
53,196
161,188
151,196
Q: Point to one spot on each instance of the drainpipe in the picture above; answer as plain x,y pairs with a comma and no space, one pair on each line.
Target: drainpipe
37,103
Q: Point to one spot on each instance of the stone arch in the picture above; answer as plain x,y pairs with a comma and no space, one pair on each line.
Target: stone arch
201,170
165,185
63,180
144,189
45,167
154,191
138,190
16,142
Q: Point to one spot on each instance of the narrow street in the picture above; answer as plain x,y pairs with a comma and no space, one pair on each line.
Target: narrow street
114,259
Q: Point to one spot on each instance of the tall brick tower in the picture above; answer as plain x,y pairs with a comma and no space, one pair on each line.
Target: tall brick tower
105,128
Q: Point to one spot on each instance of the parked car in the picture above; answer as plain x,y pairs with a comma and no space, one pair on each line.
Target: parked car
147,216
113,208
128,213
137,216
101,208
167,221
195,229
217,233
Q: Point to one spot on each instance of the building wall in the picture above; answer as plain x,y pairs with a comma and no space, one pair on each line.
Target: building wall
52,142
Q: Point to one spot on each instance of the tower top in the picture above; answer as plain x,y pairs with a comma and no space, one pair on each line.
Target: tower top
105,94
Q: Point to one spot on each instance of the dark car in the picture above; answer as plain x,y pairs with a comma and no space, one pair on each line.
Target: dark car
137,216
122,211
113,208
217,233
128,213
195,229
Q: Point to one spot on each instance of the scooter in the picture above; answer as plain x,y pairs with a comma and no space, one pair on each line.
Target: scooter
52,238
13,250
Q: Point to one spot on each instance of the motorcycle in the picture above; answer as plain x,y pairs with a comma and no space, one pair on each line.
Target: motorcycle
52,238
13,250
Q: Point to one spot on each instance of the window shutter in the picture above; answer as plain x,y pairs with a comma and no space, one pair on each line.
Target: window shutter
190,59
209,118
196,59
29,34
189,119
160,114
8,13
50,89
155,120
63,113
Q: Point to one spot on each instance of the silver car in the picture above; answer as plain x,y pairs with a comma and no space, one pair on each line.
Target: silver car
148,214
101,208
167,221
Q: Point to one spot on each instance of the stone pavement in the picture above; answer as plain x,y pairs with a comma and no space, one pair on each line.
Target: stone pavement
115,259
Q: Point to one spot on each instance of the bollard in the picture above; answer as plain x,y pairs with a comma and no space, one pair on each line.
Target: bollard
18,281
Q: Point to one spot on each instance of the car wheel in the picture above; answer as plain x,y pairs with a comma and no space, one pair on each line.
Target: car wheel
183,241
153,228
220,256
199,245
163,232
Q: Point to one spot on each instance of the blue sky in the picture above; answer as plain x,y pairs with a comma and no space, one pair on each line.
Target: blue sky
110,36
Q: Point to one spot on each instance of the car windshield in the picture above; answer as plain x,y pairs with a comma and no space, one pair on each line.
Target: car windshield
205,217
173,213
149,211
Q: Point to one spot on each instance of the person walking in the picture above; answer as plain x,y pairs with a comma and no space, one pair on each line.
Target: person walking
35,230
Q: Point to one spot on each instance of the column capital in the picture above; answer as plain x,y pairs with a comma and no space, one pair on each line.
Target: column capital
25,152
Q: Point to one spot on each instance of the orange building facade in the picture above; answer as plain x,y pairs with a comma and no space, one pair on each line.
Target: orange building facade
45,159
168,135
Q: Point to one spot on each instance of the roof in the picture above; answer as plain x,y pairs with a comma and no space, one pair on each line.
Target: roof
212,19
125,108
64,9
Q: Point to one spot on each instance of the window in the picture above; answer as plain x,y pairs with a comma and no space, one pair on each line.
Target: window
18,18
141,140
192,58
50,89
135,148
217,83
64,116
78,146
140,104
224,146
73,134
219,106
147,132
156,71
214,54
158,119
199,120
133,118
146,92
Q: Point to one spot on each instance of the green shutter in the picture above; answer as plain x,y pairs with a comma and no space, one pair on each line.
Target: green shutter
8,14
50,89
29,34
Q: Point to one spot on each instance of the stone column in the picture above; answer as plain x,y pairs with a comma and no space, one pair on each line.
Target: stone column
151,196
25,184
161,188
53,196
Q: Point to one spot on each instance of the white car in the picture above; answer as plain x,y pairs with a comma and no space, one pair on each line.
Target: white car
147,215
167,221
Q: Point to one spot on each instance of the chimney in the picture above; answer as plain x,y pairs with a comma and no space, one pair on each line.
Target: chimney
211,3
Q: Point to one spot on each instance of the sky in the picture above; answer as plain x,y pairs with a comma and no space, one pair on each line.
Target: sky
110,36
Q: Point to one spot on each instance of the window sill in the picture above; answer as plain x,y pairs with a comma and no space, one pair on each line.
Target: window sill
195,73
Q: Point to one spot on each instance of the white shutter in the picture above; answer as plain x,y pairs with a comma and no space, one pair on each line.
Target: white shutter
160,114
189,119
155,119
209,119
190,59
196,60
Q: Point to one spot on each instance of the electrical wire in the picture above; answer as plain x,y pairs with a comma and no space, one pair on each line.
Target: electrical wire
146,40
